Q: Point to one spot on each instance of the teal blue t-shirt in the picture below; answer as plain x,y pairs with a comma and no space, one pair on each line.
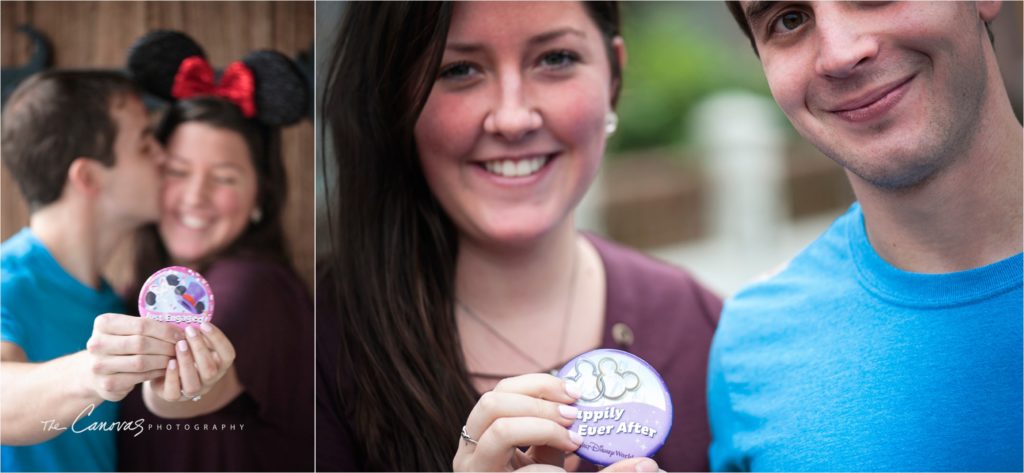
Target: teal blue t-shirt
843,362
50,314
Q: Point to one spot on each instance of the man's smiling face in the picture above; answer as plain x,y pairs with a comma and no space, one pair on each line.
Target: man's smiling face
892,91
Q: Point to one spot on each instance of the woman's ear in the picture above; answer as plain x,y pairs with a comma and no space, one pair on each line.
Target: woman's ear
619,45
619,49
84,177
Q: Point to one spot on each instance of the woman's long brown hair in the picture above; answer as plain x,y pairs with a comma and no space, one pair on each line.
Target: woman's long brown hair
390,265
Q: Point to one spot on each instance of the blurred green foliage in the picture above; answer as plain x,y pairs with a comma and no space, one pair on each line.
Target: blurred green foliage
677,54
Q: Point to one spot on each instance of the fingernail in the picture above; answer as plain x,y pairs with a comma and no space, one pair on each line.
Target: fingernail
569,412
206,327
182,346
191,332
572,390
575,438
647,465
172,365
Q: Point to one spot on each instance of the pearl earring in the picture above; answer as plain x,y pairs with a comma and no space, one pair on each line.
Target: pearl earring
256,215
611,123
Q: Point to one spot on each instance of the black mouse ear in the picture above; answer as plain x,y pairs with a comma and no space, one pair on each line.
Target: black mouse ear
153,60
282,93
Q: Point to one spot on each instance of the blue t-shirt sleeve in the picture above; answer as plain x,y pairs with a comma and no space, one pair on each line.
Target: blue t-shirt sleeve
11,329
723,455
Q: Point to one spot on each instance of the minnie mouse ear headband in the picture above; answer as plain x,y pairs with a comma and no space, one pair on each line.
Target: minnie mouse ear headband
265,85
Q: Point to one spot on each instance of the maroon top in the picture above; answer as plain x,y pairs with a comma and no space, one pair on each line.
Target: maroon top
266,312
653,310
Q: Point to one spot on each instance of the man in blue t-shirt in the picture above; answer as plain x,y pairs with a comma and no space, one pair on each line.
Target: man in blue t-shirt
893,342
79,146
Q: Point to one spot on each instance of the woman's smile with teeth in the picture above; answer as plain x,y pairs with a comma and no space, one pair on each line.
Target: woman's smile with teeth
520,167
193,222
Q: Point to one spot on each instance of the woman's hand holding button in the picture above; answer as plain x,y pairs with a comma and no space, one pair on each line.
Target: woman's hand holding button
530,410
202,359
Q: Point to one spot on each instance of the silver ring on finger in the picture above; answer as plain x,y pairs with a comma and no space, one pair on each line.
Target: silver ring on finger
191,398
465,436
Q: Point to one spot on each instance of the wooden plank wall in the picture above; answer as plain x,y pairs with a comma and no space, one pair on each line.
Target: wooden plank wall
97,35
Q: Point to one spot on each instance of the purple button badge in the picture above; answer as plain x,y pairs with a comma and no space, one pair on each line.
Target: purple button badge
176,295
625,410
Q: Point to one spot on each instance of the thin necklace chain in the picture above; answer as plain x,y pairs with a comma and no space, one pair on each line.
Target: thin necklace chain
565,319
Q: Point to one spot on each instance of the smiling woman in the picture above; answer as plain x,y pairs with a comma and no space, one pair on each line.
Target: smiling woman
212,191
513,131
222,199
209,191
455,279
221,203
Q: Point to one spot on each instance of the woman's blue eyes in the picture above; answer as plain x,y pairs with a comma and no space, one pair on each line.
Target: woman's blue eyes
457,70
559,59
554,60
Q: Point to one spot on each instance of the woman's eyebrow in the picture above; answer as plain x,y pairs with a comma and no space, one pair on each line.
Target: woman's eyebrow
537,39
555,34
217,165
228,165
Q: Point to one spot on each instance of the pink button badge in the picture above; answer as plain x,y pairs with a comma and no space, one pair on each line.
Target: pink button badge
176,295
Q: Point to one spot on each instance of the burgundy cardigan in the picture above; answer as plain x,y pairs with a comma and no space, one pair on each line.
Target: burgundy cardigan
653,310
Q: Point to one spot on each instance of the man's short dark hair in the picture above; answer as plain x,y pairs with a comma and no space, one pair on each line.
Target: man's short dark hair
737,13
741,19
55,117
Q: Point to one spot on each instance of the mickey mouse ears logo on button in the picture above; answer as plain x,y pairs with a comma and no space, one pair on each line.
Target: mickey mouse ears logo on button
604,380
625,409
